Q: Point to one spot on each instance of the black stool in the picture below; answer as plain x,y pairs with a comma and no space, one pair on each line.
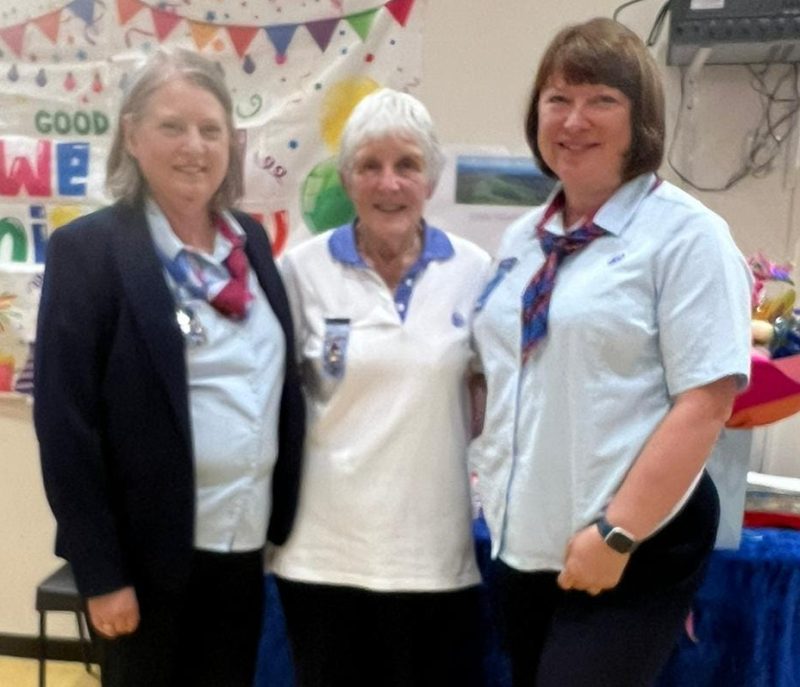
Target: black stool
59,593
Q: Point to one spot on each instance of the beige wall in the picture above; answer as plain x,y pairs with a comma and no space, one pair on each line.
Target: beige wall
479,61
26,525
479,58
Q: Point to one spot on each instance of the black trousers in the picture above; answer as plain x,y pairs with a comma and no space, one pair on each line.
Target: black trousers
207,635
620,638
348,637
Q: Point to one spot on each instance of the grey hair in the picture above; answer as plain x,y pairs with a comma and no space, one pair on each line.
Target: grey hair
124,179
386,113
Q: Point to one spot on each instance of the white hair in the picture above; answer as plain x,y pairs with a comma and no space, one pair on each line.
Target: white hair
388,113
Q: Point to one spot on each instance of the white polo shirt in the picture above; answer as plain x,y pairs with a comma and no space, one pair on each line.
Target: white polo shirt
235,379
659,306
385,502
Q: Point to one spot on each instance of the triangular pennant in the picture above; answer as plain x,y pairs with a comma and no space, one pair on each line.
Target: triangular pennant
280,36
322,30
83,9
202,33
362,22
48,25
127,9
164,23
241,37
12,36
400,10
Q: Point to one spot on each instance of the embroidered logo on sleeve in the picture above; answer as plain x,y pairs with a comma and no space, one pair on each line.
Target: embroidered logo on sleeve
503,268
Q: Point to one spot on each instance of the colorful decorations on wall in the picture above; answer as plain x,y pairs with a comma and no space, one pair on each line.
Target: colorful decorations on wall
296,69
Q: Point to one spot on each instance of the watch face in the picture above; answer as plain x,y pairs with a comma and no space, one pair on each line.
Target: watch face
619,541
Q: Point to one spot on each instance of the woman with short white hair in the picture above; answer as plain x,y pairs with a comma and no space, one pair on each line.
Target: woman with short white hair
379,581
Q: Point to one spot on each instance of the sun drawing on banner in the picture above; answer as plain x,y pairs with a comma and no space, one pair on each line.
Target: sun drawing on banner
323,200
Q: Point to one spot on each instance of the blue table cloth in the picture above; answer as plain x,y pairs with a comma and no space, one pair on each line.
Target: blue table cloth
746,618
746,621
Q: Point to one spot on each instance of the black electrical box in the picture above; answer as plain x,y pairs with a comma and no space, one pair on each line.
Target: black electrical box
735,31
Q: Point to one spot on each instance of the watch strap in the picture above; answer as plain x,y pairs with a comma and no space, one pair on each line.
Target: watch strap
617,538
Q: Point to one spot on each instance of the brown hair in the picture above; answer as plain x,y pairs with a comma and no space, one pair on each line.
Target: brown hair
603,51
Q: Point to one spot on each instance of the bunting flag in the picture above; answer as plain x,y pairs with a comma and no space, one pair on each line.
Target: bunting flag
48,25
12,36
128,9
361,22
164,23
400,10
321,31
280,36
241,37
202,33
166,20
83,9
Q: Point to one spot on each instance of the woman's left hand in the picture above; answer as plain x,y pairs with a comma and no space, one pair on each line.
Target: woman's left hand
590,564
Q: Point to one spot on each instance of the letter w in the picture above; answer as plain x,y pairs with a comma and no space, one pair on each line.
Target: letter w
21,173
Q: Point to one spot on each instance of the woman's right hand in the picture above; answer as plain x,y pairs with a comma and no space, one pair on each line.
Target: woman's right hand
115,613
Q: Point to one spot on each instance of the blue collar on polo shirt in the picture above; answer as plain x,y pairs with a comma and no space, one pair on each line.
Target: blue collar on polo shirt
342,246
436,246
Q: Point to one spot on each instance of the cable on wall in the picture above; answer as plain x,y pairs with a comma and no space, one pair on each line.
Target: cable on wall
619,9
775,126
658,22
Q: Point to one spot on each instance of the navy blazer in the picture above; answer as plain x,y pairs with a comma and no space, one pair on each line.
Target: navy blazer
111,404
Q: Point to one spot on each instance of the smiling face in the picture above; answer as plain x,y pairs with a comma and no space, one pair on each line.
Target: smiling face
181,144
388,185
584,134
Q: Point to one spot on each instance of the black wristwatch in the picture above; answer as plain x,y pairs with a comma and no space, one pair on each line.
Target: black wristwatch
617,538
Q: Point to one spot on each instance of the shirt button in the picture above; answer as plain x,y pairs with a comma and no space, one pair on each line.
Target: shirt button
409,281
401,307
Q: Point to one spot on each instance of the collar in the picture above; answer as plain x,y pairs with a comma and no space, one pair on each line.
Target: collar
168,243
342,246
613,215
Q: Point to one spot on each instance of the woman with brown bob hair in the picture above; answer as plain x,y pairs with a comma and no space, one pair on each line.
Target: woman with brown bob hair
596,53
606,393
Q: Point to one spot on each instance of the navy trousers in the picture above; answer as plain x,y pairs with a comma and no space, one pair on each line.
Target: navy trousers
348,637
622,637
206,635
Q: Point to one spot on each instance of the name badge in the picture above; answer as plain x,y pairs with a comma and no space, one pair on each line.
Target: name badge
334,347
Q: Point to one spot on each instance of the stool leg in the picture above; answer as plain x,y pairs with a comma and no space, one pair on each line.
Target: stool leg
42,648
84,649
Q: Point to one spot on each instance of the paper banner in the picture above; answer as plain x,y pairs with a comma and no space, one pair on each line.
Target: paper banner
20,288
